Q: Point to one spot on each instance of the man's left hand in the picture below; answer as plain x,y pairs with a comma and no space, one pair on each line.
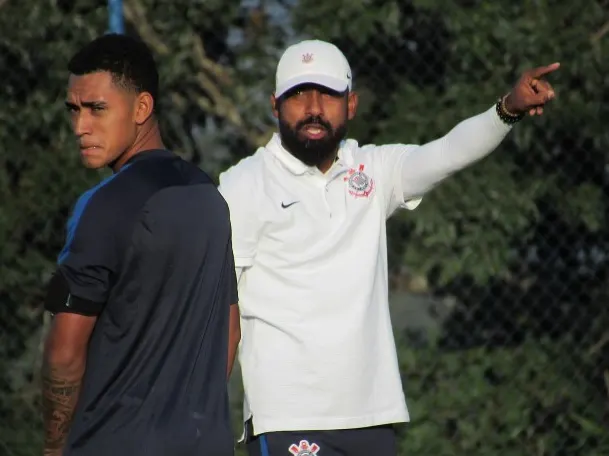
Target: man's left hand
531,92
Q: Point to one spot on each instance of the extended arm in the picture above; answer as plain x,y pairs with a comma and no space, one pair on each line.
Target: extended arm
423,167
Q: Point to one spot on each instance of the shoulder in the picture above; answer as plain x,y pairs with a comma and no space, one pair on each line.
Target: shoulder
93,216
98,201
376,150
245,175
383,158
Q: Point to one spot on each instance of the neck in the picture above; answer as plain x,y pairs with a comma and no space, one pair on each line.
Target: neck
148,139
325,166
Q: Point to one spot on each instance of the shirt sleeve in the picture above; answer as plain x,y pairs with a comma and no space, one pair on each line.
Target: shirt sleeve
81,283
413,170
240,189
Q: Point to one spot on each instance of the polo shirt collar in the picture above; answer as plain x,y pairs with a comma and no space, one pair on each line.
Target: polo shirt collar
294,165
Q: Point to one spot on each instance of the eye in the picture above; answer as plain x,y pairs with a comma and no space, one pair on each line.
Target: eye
329,94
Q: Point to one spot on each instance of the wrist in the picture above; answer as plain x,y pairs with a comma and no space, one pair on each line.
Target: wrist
508,106
506,112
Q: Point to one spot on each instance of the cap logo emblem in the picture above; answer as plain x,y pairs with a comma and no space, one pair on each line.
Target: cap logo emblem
307,58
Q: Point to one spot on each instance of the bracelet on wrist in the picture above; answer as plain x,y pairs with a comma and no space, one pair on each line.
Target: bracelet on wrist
506,116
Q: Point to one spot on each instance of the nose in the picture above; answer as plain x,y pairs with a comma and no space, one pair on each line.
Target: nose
81,123
314,103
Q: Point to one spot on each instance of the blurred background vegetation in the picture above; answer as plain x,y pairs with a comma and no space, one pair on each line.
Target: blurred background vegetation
499,279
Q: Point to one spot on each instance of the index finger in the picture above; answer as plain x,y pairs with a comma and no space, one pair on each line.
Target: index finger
540,71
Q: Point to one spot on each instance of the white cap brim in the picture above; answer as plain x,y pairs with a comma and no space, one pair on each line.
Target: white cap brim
332,83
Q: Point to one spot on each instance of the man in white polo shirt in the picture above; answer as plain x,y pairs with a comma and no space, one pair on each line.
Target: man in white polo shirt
308,215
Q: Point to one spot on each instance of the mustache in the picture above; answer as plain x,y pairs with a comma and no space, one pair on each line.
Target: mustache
314,120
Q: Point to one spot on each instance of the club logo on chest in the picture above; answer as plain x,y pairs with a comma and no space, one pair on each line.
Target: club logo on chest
359,183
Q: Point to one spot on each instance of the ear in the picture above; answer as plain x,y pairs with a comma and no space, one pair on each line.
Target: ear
144,107
352,100
274,106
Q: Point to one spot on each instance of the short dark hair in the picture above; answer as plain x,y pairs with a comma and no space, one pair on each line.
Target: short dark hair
127,59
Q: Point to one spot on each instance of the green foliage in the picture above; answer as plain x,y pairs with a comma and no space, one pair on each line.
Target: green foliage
509,401
519,239
21,431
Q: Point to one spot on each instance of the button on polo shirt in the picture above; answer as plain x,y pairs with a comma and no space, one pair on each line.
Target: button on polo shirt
317,348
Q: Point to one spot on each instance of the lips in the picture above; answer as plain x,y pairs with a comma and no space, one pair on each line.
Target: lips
314,130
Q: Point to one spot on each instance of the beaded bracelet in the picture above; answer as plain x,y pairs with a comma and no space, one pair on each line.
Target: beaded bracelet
505,115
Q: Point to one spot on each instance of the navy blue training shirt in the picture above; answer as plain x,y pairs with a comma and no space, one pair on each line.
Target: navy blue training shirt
149,253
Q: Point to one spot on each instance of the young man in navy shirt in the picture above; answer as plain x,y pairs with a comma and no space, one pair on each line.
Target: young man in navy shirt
145,327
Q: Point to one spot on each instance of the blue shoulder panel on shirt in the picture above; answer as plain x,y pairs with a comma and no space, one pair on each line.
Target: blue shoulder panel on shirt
79,209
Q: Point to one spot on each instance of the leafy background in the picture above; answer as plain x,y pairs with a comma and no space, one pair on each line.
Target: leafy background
499,279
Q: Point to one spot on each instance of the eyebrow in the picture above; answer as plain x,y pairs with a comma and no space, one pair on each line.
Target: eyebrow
87,104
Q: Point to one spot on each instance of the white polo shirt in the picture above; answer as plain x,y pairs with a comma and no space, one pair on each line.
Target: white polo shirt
317,348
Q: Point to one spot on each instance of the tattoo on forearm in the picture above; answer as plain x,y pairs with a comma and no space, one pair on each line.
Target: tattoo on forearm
59,397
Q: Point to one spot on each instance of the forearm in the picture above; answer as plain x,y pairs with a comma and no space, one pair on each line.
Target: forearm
60,390
468,142
234,337
232,354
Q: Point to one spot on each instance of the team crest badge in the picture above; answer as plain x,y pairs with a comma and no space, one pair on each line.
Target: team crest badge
360,184
304,449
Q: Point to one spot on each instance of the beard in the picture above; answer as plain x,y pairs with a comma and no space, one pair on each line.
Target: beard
312,152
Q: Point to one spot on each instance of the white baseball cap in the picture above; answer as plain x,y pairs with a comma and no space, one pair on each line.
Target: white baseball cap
313,62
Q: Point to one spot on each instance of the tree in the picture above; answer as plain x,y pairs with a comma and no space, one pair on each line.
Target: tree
208,109
519,240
